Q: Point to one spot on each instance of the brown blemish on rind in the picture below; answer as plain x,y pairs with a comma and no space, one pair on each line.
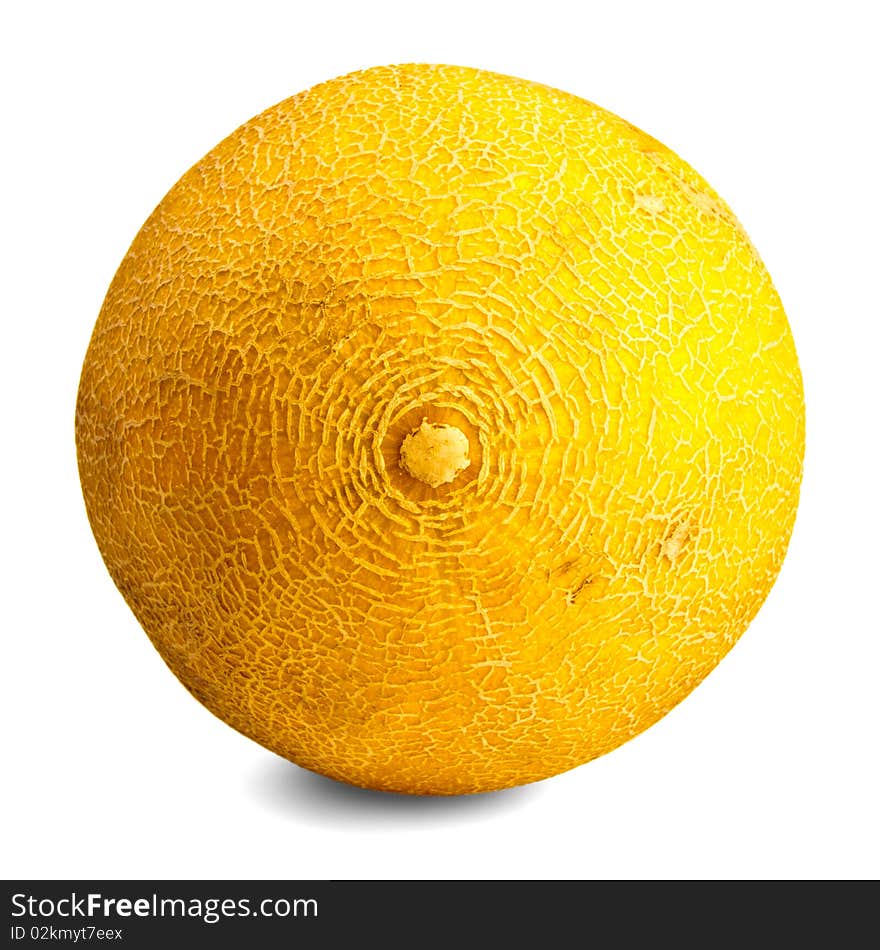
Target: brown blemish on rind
572,595
586,573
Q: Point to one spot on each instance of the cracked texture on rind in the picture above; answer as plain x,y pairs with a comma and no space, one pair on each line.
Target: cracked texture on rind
441,243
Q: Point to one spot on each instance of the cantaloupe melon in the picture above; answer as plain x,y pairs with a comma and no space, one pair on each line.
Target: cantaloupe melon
441,429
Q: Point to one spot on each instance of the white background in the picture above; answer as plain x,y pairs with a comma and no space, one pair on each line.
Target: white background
111,770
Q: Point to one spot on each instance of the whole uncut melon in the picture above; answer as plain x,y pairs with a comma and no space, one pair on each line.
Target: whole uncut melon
442,430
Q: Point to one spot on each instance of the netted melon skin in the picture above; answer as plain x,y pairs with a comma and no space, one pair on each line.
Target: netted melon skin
437,243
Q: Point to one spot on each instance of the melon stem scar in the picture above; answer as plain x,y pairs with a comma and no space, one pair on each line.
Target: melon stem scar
435,453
